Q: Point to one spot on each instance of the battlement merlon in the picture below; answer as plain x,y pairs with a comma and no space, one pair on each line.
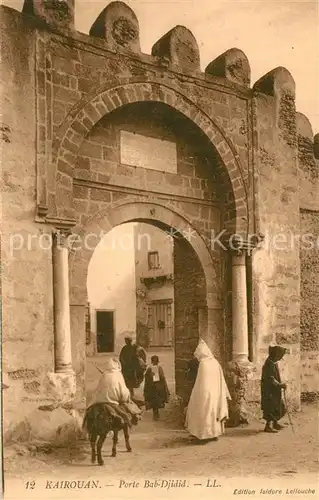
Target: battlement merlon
57,14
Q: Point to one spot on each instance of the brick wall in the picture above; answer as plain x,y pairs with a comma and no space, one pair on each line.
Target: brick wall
189,297
99,170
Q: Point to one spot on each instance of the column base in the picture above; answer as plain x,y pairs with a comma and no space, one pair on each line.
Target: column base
61,386
238,373
64,368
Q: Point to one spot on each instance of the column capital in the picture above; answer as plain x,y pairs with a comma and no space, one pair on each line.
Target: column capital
241,245
61,237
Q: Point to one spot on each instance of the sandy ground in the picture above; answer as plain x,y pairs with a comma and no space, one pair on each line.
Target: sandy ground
164,449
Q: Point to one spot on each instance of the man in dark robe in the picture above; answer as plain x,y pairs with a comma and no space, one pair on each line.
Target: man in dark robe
133,364
272,403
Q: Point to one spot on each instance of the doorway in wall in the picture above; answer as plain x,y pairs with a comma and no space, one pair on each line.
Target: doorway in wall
105,331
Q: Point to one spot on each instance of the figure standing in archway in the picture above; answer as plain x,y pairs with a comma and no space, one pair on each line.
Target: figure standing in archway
133,362
156,393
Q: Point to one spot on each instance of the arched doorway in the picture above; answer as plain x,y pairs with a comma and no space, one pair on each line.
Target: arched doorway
148,162
197,307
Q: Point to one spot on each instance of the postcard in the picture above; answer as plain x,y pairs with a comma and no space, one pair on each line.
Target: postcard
159,249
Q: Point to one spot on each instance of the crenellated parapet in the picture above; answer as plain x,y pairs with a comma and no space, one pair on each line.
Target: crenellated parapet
58,14
74,74
308,164
180,49
280,85
306,146
276,83
232,65
118,26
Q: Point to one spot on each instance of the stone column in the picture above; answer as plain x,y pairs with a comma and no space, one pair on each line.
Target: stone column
239,308
62,331
239,370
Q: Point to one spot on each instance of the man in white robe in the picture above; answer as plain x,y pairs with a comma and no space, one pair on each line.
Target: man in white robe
111,387
207,408
111,408
113,393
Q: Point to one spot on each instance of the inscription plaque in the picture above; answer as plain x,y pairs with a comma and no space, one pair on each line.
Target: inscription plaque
147,152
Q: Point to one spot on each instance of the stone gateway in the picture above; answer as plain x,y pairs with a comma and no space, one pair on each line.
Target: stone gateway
241,162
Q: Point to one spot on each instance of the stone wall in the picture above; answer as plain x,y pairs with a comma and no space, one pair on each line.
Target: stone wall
78,175
26,261
101,179
30,383
309,256
190,297
276,266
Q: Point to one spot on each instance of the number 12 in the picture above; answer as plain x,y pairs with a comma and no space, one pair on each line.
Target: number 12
30,485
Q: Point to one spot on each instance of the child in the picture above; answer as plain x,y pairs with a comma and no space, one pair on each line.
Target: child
156,392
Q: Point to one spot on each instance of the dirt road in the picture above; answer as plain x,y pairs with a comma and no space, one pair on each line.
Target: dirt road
160,449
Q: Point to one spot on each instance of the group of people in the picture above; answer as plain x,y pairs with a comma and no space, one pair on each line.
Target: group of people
131,370
207,409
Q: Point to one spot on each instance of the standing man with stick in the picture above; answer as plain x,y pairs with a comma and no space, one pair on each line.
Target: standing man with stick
272,403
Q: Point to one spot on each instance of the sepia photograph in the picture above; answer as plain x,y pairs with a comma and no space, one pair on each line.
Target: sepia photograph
159,249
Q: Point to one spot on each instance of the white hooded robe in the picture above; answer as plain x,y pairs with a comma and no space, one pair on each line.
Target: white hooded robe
111,387
207,406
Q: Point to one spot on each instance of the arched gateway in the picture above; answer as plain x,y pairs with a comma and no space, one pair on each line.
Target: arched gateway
144,152
198,310
185,188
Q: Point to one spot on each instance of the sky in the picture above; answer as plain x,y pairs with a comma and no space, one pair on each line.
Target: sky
271,33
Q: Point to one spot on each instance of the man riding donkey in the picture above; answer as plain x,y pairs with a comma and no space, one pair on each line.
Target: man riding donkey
133,361
111,409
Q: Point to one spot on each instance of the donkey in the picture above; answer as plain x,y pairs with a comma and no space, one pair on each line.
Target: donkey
99,420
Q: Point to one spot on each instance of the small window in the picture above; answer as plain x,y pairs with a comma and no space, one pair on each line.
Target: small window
153,260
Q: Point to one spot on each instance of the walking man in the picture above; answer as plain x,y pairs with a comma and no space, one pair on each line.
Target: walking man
207,409
272,403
